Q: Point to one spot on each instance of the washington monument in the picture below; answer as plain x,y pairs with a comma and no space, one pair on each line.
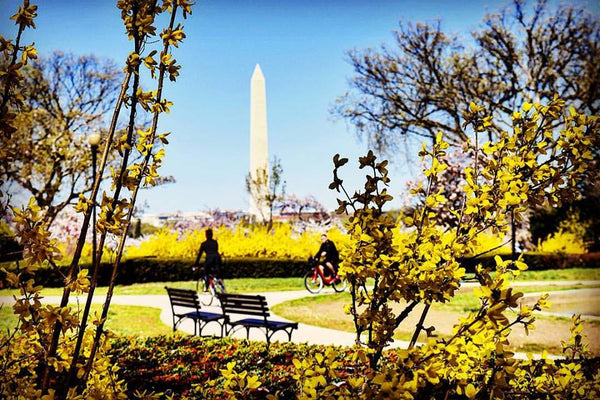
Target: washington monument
259,151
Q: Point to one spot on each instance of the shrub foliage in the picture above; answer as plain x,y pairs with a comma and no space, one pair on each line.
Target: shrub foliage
209,368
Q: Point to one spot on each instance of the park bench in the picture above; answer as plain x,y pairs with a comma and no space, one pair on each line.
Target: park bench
252,305
186,304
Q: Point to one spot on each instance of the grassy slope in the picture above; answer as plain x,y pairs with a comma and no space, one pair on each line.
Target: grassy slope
122,320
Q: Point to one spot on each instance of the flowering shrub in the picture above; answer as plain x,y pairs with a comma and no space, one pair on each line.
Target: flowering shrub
486,243
508,175
281,241
569,239
562,242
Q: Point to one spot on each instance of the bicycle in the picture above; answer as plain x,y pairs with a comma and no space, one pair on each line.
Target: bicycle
209,294
314,279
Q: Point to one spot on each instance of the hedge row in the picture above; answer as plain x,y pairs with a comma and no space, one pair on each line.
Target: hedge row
539,261
143,270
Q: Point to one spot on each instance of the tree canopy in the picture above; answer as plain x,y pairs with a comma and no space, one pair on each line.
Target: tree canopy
64,99
525,52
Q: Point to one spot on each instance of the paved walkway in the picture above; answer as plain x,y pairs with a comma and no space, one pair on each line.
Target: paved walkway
304,334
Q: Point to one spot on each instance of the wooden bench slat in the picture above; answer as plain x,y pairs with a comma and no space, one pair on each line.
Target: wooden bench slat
186,304
252,305
258,314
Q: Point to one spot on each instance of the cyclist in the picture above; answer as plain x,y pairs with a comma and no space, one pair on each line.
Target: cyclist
212,262
330,256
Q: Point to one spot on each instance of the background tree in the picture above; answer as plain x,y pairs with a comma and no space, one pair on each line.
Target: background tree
523,53
267,188
452,178
520,54
64,99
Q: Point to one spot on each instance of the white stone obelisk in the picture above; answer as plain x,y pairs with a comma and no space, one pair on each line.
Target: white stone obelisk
259,151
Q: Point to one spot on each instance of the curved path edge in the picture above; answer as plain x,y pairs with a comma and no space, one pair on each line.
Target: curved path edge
304,334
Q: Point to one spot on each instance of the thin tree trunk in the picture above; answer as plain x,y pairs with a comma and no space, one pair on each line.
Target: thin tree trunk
419,326
100,327
81,240
513,235
93,283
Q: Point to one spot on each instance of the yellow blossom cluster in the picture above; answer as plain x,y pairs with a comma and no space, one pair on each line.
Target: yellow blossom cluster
534,164
280,241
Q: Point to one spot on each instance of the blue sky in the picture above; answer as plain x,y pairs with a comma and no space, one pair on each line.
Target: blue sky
300,46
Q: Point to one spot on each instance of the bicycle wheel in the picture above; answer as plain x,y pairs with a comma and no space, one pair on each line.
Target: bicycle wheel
313,282
339,286
206,297
220,286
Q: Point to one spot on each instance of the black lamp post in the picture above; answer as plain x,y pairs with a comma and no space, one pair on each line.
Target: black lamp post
94,141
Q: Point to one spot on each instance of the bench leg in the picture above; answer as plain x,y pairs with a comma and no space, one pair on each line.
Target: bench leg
227,331
202,325
176,323
289,332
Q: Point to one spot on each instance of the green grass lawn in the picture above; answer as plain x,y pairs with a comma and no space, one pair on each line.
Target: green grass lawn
324,311
569,274
309,309
242,285
145,321
468,302
122,320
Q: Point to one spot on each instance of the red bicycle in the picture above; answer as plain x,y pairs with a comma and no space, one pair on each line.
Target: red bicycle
315,279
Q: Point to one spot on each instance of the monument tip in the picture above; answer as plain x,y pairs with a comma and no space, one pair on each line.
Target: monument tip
257,72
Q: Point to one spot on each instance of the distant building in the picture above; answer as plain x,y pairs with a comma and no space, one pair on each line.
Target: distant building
171,218
191,217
